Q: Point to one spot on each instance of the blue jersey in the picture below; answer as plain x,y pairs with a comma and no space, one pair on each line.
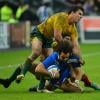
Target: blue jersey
53,59
65,72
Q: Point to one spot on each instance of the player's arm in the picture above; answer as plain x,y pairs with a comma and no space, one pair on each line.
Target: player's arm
76,46
42,67
78,73
58,35
58,28
77,51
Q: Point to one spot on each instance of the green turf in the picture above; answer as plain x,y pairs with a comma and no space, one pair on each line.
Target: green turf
91,54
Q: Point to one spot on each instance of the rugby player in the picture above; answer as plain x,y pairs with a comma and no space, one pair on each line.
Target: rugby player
55,27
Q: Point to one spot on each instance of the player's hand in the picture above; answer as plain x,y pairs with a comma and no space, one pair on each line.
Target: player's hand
54,74
55,46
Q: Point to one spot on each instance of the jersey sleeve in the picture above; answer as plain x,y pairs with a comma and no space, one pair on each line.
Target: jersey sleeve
50,60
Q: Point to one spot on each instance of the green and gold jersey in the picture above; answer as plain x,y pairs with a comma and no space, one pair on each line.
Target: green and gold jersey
58,21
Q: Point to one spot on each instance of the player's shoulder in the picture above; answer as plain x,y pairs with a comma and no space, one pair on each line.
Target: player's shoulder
55,54
61,14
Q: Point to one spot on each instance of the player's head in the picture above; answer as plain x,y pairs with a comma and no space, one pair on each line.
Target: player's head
75,9
65,49
76,13
55,45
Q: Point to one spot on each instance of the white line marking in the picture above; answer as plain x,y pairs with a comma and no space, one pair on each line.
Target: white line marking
91,54
8,66
85,55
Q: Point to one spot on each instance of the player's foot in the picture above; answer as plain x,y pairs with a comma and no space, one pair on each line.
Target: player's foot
18,81
95,86
34,89
20,77
44,91
5,82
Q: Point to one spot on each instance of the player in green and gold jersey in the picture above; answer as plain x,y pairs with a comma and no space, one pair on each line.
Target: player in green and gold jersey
55,27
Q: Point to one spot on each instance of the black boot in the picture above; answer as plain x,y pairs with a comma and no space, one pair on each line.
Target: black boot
5,82
34,88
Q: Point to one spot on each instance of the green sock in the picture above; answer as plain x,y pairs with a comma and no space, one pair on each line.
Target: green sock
42,83
14,75
26,67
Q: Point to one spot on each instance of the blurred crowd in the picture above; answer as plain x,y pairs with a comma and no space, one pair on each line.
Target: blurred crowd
36,11
91,7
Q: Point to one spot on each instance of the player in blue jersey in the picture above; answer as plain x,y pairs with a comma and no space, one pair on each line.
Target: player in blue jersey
7,82
56,67
74,61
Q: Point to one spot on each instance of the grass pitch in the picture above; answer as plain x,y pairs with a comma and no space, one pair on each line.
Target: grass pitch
9,60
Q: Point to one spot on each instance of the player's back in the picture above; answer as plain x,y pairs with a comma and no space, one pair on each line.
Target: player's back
47,27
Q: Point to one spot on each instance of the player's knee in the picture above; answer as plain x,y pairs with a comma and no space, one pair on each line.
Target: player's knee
36,46
39,69
36,50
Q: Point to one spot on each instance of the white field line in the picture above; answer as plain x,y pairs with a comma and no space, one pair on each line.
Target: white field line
85,55
9,66
91,54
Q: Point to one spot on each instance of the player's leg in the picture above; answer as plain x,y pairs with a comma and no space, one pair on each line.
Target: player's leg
66,85
36,51
7,82
45,74
75,74
37,43
45,52
80,75
89,83
76,67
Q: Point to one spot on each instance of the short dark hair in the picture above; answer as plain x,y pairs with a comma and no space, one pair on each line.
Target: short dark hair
65,46
76,8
